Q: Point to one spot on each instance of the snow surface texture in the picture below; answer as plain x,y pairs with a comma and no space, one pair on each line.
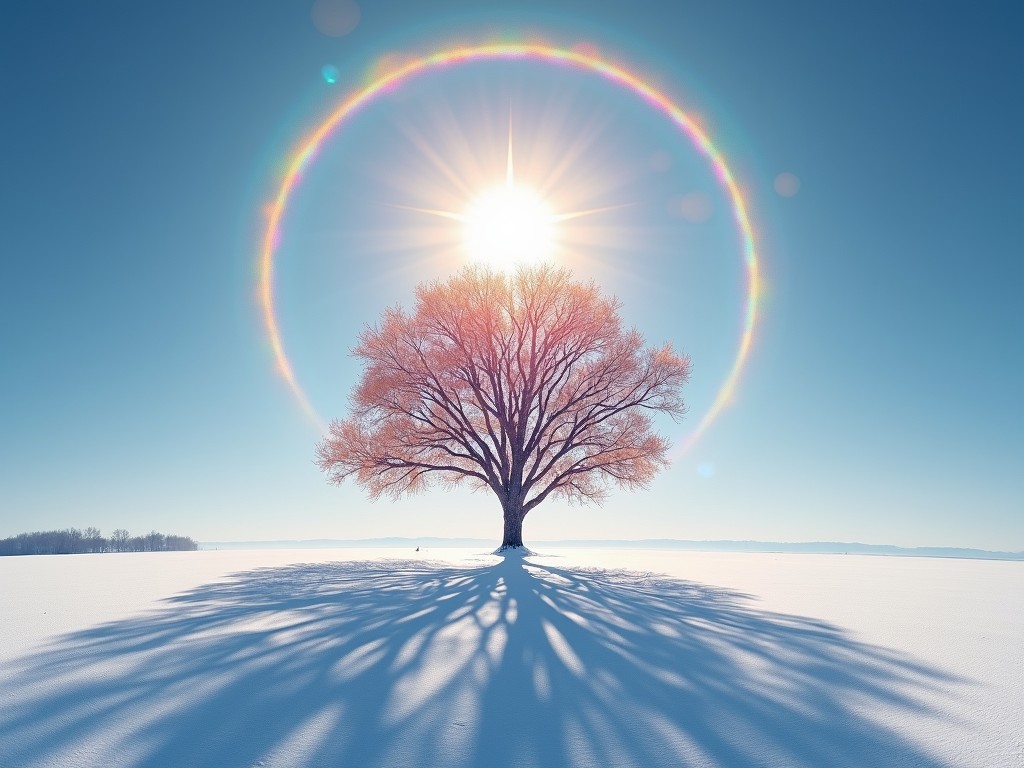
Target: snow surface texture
461,659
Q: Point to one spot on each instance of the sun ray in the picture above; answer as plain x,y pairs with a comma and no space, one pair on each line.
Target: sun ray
453,215
570,215
510,174
568,159
437,160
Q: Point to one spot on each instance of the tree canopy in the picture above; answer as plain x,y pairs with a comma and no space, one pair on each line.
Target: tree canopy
526,384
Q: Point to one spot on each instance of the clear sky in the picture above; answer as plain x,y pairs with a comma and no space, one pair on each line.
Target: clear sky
142,142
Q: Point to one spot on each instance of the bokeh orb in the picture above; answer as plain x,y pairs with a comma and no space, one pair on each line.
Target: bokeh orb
787,184
330,74
335,18
695,207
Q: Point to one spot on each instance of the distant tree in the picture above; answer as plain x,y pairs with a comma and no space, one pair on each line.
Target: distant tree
93,541
72,540
75,541
525,384
181,544
154,542
119,540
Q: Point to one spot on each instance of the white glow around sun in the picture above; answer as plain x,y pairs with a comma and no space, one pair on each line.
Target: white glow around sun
504,224
507,226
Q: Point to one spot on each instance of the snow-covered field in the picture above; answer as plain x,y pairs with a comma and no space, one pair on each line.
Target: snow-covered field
459,658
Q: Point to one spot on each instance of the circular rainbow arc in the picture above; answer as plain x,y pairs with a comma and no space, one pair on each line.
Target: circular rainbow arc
582,59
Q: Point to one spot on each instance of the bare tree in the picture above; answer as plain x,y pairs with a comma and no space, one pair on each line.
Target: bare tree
174,543
525,384
93,540
119,540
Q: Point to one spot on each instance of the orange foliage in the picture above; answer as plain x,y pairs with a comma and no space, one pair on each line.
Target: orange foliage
526,384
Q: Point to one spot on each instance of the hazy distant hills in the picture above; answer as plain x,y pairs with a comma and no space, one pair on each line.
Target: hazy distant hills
812,547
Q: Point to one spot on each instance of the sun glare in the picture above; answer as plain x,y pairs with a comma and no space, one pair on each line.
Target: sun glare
508,226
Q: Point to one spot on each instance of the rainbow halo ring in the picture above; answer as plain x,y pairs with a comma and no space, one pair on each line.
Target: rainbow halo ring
578,59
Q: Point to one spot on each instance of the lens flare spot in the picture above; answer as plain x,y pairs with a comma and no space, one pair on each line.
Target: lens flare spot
706,470
330,74
695,207
384,66
787,184
335,18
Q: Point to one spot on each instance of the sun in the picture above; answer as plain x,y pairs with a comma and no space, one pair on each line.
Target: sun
507,226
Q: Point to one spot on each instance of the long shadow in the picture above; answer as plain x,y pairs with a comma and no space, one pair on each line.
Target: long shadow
415,664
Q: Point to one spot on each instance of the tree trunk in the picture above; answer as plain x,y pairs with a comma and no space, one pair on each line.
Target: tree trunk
513,536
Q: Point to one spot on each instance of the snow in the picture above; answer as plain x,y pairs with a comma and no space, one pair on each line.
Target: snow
461,658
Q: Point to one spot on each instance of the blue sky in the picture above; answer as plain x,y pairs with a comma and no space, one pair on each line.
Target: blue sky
141,143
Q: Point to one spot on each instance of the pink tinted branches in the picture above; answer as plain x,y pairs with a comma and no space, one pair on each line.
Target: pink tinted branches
526,384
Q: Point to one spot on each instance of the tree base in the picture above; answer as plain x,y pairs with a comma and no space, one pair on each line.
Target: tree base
506,550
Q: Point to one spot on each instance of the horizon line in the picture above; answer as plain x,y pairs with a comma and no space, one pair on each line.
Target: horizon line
737,545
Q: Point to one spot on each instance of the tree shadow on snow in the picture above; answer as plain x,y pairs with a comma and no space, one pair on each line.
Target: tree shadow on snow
414,664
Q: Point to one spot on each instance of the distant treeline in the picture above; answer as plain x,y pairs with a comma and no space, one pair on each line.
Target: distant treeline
72,541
